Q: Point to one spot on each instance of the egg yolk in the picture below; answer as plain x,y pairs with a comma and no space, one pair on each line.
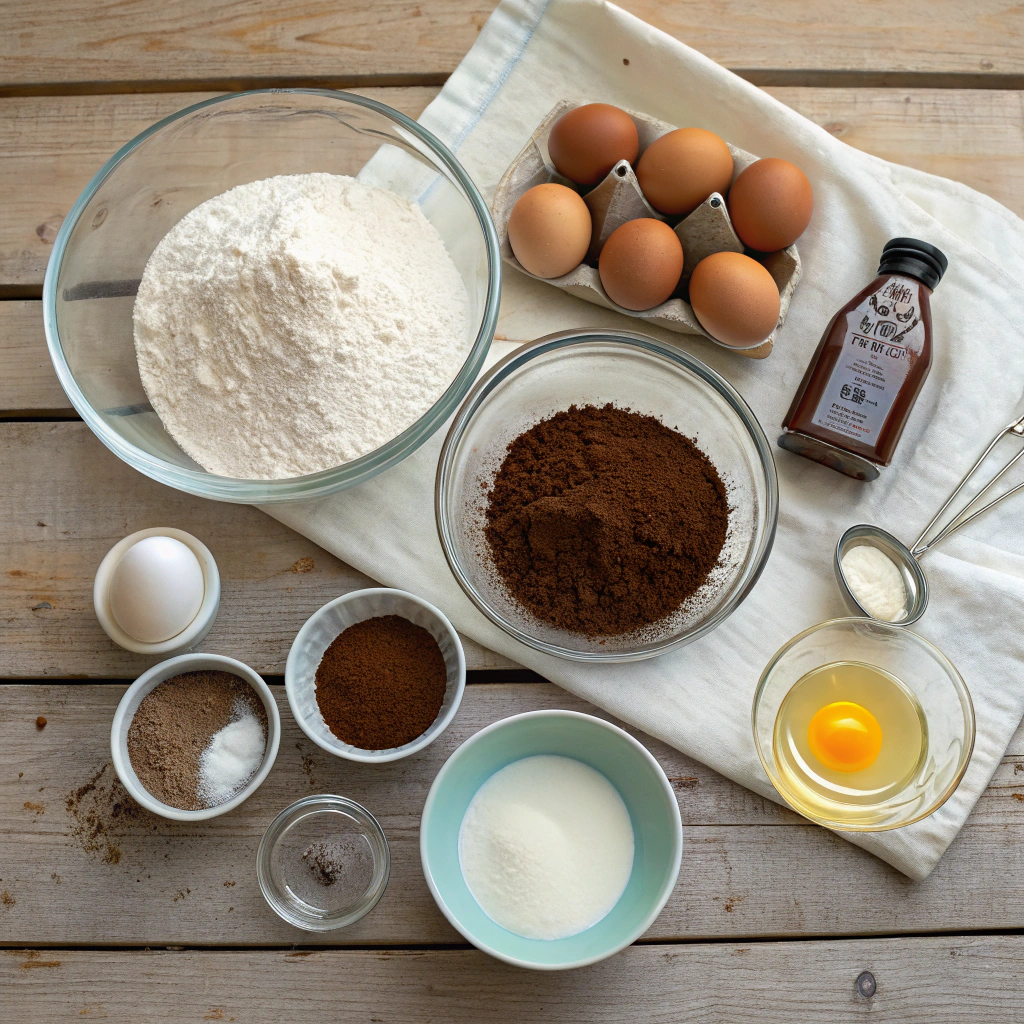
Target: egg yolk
845,736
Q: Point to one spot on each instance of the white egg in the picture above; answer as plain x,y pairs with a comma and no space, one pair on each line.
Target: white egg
156,589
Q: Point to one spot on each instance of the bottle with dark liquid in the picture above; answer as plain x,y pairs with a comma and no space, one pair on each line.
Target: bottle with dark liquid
870,365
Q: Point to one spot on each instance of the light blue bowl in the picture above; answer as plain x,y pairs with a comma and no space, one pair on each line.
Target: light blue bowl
627,764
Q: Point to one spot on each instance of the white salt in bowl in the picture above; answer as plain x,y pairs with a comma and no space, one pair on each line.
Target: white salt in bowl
334,618
148,682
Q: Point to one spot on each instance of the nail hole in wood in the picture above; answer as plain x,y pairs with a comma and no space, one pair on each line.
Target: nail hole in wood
866,984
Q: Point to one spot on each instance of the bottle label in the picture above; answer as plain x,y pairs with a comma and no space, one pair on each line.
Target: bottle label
884,337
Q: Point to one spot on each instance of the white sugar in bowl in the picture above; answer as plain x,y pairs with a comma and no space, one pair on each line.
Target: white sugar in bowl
157,591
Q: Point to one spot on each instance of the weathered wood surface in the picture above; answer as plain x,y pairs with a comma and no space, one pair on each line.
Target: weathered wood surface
942,980
65,500
28,385
750,867
143,42
51,146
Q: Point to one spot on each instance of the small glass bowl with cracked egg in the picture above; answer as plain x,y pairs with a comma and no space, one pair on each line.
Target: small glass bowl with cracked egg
863,725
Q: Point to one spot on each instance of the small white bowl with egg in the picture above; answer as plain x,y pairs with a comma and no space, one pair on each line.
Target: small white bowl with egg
157,591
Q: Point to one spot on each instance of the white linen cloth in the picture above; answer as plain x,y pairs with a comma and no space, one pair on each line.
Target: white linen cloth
531,54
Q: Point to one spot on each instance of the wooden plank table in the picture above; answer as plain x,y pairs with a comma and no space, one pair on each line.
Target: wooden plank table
107,912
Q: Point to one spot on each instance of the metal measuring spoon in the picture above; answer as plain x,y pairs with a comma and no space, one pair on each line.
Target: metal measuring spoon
906,559
914,582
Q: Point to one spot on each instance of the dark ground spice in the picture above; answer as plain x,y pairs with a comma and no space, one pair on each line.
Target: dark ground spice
103,814
325,864
602,521
381,683
174,725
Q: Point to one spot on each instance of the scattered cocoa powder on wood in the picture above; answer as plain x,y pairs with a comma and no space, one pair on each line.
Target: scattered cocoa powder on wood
175,723
602,521
381,683
103,814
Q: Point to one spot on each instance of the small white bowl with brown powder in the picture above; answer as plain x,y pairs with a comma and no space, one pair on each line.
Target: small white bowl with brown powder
375,675
195,736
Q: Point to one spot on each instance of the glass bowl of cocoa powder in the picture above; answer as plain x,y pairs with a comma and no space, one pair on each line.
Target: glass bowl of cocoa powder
602,496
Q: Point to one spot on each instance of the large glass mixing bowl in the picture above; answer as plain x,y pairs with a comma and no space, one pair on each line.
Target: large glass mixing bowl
198,153
632,371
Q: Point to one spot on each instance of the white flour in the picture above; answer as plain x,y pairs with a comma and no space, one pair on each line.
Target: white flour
296,323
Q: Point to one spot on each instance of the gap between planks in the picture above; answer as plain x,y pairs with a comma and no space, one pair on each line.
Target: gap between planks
49,148
813,78
67,41
92,874
961,979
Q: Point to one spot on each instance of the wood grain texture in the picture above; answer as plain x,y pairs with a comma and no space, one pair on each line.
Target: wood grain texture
66,500
51,146
947,980
132,41
750,867
972,135
28,385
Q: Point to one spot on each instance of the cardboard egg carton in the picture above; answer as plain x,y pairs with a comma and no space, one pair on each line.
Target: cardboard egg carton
618,199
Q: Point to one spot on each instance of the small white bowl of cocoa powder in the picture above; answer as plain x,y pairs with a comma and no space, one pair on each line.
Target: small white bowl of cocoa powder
195,736
375,675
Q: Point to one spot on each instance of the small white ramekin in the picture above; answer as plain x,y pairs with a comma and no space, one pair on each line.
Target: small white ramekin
152,678
195,632
321,628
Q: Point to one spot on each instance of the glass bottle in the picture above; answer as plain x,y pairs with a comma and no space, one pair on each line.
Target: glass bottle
869,367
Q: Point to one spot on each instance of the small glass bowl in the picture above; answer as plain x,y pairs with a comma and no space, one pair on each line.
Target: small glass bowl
149,184
316,839
634,372
922,668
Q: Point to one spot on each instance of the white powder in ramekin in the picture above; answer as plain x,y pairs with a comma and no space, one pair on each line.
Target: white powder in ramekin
293,324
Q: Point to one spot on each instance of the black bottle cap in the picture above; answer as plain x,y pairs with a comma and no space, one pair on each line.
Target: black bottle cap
914,258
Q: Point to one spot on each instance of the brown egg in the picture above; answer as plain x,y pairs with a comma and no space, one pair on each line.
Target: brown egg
549,230
640,263
771,204
735,299
681,169
586,143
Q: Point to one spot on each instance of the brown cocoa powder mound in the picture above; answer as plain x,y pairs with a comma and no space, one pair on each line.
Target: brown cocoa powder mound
174,725
381,683
602,521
